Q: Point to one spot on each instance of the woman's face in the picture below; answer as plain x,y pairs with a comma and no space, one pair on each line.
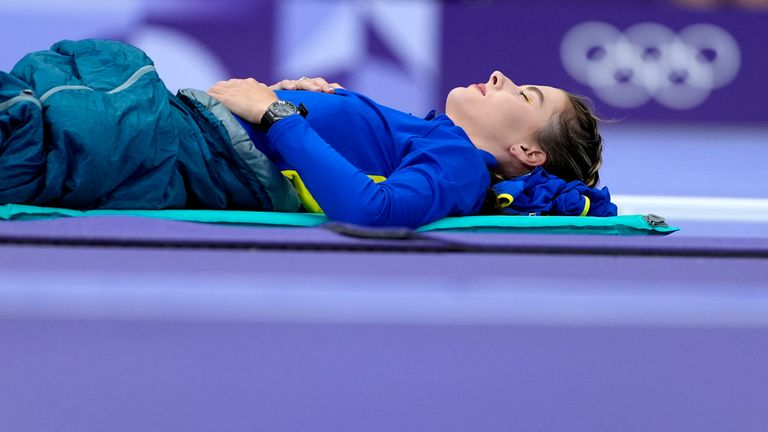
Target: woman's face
503,112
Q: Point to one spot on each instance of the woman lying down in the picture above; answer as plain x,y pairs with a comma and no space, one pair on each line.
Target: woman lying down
89,124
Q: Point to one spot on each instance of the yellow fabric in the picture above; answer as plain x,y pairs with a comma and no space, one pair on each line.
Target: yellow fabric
306,198
505,200
587,203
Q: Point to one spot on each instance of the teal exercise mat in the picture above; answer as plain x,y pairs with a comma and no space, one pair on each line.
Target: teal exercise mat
240,217
616,225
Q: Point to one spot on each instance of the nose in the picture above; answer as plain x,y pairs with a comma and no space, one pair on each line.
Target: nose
498,79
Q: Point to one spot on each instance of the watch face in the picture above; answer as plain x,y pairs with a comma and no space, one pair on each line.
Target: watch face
283,109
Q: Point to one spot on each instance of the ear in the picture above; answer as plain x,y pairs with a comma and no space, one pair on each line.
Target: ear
529,154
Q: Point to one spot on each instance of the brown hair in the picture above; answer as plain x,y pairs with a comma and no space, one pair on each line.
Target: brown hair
572,143
573,146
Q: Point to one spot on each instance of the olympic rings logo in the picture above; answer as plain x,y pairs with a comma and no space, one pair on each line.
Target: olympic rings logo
649,61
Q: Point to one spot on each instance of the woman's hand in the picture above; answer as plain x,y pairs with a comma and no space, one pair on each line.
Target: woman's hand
247,98
309,84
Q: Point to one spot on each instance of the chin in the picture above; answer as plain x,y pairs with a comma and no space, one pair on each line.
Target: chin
454,99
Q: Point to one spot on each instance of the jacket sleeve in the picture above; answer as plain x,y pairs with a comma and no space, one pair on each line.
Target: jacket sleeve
425,187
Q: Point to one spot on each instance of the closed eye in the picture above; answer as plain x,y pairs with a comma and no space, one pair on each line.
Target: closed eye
527,99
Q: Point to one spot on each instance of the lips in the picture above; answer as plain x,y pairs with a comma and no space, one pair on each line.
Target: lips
480,87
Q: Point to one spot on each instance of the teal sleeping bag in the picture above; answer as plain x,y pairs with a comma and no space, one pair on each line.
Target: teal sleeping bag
90,125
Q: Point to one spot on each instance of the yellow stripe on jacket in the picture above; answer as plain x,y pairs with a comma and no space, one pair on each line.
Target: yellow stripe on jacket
306,198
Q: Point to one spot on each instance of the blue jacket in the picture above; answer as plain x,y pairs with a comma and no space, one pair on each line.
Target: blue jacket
541,193
431,167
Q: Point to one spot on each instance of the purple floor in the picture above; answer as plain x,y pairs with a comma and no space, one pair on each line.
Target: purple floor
139,324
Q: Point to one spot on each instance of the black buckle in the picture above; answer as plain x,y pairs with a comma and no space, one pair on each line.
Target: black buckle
655,220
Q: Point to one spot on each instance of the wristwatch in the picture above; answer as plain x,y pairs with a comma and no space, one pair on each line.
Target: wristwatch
280,110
